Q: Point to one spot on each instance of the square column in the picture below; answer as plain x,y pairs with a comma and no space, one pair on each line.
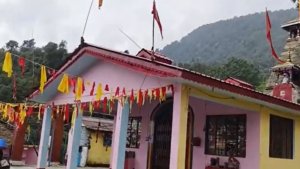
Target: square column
179,127
74,141
120,134
18,144
44,140
58,127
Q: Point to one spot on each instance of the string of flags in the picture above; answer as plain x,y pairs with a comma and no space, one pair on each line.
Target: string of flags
17,112
104,97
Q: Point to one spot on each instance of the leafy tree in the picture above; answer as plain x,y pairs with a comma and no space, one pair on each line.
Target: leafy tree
234,67
51,55
240,69
12,45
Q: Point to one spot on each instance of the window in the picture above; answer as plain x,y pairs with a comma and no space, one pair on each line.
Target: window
225,135
281,137
134,132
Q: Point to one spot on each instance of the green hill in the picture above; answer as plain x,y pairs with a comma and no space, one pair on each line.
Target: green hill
241,37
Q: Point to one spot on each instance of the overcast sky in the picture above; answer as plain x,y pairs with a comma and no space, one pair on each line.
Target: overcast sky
56,20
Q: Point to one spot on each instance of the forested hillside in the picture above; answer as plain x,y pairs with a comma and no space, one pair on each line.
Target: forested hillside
241,37
51,55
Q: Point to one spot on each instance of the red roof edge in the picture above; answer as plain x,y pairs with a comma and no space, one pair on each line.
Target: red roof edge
239,90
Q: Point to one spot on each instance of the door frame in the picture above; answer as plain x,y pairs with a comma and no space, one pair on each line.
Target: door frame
150,138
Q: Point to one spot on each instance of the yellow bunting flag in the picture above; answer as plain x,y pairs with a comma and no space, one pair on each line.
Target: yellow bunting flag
5,111
64,84
79,89
7,64
74,115
91,108
22,114
43,79
99,92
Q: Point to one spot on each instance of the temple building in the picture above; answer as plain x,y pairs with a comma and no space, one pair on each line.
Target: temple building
284,81
162,116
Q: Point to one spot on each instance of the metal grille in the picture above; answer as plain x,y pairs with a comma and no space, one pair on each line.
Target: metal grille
134,132
225,135
162,139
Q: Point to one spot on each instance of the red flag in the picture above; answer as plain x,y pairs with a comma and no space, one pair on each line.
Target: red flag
21,62
93,89
156,17
269,38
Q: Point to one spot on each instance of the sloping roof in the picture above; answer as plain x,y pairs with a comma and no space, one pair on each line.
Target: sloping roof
172,72
98,124
240,81
285,66
290,24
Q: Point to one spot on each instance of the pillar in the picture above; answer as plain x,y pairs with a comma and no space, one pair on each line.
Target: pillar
44,139
112,144
74,141
18,144
120,134
179,127
58,127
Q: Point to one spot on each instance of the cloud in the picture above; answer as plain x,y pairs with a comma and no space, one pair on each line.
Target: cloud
56,20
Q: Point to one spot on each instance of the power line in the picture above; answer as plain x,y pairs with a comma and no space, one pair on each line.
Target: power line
136,44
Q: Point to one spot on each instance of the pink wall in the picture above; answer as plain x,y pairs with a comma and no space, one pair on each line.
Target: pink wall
118,76
141,153
200,160
115,76
29,155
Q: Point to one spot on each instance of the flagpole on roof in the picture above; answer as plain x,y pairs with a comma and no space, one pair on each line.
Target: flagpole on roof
86,20
153,25
155,18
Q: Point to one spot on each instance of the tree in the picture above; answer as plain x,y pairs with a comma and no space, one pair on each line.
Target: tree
28,45
240,69
52,55
12,45
234,67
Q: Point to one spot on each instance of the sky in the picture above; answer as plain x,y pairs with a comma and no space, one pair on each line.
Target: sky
56,20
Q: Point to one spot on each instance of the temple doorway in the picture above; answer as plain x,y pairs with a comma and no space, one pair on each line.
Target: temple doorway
162,130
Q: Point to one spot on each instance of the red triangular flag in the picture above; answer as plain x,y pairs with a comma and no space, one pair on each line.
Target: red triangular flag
92,90
140,101
67,116
106,88
29,111
117,92
104,107
132,96
21,62
269,38
156,18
